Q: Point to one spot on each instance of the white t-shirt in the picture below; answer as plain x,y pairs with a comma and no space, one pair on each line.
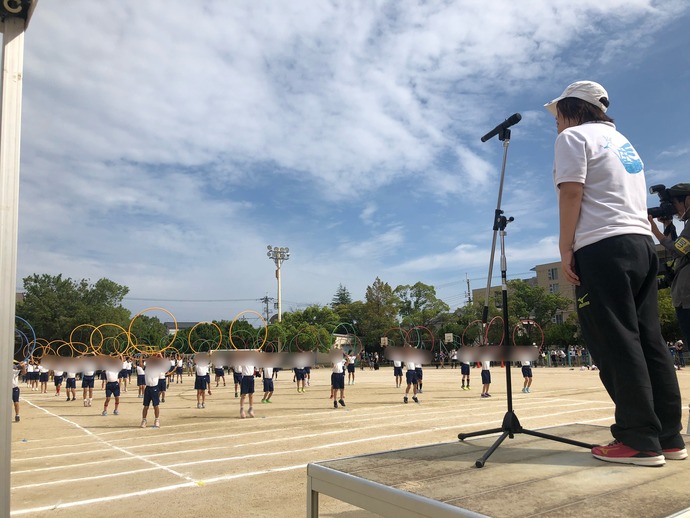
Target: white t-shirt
15,378
153,373
268,372
486,365
614,201
202,368
247,370
111,376
338,366
410,366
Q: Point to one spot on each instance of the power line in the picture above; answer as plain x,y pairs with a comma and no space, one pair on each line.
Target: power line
149,299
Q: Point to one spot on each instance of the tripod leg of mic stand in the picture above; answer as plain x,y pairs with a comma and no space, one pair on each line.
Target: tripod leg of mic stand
559,439
463,436
479,463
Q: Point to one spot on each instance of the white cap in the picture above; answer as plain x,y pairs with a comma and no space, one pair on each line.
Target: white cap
588,91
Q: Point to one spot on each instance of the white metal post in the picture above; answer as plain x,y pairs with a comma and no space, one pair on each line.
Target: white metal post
10,139
280,296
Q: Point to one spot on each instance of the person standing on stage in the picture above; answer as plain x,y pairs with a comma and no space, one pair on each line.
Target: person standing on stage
608,253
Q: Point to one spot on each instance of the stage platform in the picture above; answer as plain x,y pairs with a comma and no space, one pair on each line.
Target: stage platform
525,477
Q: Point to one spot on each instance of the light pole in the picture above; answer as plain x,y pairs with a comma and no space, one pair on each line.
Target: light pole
278,254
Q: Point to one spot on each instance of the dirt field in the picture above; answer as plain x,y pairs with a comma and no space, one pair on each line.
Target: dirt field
68,460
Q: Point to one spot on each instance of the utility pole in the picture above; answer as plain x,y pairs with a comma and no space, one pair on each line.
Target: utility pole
468,293
265,300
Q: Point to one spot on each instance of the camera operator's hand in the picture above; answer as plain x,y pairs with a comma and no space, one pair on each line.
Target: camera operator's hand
655,228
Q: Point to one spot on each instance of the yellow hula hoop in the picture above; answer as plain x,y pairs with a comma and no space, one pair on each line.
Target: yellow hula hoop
71,335
262,319
189,336
75,349
98,329
131,322
63,344
115,352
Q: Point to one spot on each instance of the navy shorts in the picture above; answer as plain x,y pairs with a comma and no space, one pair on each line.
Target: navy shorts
299,374
112,388
141,380
43,377
350,367
526,371
486,377
411,377
87,382
307,370
162,384
247,385
338,380
57,380
152,396
237,377
465,369
124,373
268,385
71,383
15,394
179,370
220,372
420,376
200,383
397,371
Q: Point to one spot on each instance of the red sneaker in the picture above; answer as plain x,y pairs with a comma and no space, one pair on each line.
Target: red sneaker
622,454
675,453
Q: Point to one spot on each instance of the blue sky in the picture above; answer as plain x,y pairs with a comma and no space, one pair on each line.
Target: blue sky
164,146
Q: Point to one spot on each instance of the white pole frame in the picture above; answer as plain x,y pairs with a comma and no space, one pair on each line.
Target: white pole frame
10,140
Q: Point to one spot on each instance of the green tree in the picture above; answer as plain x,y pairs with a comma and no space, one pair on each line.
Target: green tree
54,305
527,301
341,297
418,304
379,313
667,316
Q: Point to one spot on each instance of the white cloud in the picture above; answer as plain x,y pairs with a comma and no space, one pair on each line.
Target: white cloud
165,146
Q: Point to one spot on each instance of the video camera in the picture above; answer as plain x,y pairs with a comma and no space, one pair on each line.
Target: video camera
665,210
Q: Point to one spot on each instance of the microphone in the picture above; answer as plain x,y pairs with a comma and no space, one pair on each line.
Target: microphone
510,121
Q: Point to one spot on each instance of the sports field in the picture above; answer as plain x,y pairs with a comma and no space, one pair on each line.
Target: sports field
68,460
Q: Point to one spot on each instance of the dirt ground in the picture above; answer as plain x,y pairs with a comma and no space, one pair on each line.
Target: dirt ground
68,460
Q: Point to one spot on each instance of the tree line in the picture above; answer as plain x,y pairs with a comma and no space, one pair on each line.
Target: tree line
63,310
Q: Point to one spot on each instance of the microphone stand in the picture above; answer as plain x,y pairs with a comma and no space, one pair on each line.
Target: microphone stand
511,425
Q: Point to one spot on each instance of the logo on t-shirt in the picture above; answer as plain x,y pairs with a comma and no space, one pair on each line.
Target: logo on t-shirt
628,156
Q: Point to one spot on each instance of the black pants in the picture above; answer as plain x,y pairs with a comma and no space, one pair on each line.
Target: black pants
619,316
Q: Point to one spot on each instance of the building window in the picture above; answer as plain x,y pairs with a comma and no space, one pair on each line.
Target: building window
554,288
557,318
553,274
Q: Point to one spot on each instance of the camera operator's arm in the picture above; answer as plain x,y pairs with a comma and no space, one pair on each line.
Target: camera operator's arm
655,230
569,202
667,241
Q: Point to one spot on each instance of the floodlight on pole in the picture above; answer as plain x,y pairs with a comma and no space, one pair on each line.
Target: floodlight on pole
279,254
